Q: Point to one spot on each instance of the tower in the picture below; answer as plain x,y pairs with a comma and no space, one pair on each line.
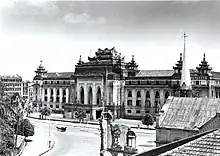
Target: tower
185,84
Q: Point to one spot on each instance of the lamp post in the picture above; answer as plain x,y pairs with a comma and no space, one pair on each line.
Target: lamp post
49,142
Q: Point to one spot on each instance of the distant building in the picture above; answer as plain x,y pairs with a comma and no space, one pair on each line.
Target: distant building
25,86
30,92
12,84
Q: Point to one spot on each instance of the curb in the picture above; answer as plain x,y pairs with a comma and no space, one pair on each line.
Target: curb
25,144
90,123
48,149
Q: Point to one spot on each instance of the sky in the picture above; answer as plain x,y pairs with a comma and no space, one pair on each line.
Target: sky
58,32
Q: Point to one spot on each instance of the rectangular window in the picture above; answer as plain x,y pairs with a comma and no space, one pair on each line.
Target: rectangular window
138,111
129,102
57,106
57,99
51,106
58,82
138,103
45,98
51,82
45,82
45,91
129,111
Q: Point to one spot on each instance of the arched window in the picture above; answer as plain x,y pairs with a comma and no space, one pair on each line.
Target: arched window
147,100
138,94
167,94
129,94
90,96
82,95
98,96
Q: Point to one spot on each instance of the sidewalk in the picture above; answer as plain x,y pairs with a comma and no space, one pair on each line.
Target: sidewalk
59,117
37,144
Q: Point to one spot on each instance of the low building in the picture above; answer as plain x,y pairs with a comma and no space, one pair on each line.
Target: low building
182,117
12,84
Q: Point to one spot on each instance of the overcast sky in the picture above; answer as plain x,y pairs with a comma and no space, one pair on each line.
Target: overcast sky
58,32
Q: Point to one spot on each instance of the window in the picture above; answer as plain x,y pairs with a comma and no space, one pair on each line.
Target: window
45,98
51,82
51,91
129,111
57,99
129,102
138,103
45,91
57,106
58,82
129,94
138,111
51,106
45,82
138,94
63,107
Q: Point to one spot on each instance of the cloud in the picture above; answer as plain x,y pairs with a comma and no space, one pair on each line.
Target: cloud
72,18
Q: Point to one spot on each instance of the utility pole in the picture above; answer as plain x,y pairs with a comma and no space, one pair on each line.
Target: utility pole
49,142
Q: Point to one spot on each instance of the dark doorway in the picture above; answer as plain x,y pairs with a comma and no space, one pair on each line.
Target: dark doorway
98,114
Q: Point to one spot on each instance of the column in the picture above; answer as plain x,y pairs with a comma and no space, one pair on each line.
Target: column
67,95
54,94
94,114
107,92
61,95
78,93
85,94
142,99
125,97
152,98
133,97
42,95
94,94
48,94
162,97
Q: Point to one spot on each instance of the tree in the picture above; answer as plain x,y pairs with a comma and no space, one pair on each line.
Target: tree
28,109
45,111
80,114
148,120
26,128
6,139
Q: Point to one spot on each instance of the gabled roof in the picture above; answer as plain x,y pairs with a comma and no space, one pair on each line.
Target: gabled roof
155,73
208,144
188,113
58,75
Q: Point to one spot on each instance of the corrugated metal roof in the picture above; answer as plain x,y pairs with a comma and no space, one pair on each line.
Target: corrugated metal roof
188,113
155,73
208,145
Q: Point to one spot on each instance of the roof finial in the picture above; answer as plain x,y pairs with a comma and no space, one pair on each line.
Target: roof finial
204,57
40,62
181,58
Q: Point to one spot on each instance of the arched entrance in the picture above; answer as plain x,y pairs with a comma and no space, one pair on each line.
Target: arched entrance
98,96
90,96
82,95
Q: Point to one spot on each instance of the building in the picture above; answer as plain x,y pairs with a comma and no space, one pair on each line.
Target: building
182,117
25,89
52,89
12,84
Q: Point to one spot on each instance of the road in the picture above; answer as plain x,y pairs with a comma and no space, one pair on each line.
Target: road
77,141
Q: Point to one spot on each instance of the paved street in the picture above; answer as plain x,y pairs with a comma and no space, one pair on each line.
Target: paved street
77,141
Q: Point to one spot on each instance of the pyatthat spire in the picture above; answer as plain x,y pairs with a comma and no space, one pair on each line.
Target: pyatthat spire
185,76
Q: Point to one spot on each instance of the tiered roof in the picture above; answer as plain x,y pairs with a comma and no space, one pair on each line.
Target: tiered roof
155,73
204,66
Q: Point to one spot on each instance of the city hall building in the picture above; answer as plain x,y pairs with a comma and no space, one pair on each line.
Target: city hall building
107,81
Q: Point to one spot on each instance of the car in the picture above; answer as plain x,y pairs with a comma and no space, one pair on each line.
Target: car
61,129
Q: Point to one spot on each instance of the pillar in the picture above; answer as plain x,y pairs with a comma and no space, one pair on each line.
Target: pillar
85,94
126,96
78,93
43,93
67,95
94,114
48,94
54,94
61,95
142,98
94,94
162,97
152,98
133,97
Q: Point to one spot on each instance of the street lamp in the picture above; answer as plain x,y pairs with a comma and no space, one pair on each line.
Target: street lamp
49,142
